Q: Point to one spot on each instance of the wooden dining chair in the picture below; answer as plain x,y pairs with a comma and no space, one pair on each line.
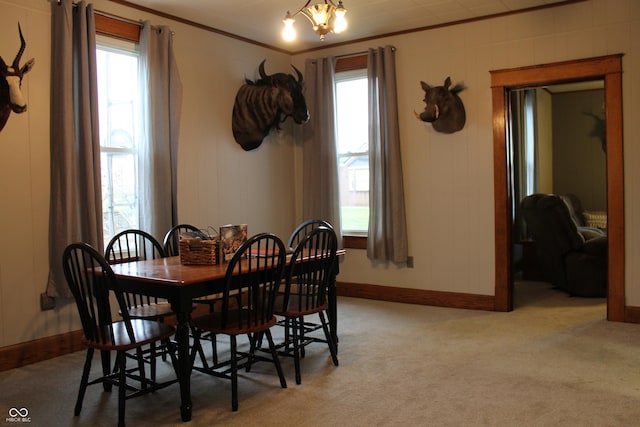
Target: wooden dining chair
91,280
171,246
300,232
171,242
311,272
251,285
137,245
304,228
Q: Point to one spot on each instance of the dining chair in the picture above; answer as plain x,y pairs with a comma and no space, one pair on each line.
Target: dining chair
307,283
91,281
296,236
251,284
137,245
304,228
171,242
171,246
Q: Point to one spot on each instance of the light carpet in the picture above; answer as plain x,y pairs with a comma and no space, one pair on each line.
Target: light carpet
552,361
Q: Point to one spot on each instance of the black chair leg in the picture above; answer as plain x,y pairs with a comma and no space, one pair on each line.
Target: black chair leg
297,337
300,321
276,360
105,356
83,381
197,349
140,357
332,345
122,389
152,359
234,374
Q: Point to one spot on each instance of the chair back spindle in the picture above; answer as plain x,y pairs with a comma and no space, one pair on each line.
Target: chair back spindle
134,245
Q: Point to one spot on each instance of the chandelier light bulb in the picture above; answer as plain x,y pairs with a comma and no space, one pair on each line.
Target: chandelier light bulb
340,23
288,32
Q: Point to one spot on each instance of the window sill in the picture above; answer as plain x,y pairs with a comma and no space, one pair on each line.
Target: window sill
354,242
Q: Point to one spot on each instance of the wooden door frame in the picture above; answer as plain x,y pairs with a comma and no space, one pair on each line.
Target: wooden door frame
608,68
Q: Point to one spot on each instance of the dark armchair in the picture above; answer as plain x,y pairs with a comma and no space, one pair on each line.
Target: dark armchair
573,261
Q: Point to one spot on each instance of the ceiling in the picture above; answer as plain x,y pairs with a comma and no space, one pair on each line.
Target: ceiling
260,21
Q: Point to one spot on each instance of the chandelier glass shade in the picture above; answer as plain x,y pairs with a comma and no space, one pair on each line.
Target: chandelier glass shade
325,18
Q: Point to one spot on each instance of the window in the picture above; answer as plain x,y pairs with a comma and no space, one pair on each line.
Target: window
353,149
120,124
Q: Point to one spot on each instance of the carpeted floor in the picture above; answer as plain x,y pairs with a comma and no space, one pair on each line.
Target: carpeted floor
552,361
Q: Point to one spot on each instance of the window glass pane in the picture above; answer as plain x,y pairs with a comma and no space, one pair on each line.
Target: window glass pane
118,105
119,193
353,150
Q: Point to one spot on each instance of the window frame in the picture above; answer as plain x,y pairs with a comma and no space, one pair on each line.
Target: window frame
115,28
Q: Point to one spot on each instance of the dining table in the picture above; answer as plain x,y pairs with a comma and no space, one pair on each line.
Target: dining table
179,284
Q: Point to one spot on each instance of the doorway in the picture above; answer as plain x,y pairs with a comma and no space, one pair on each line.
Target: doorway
608,68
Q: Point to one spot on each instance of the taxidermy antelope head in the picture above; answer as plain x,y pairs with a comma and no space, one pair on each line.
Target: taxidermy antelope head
10,82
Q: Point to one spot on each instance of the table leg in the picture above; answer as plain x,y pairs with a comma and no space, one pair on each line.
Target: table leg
184,364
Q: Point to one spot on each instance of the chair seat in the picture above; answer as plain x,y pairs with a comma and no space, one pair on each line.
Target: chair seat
209,299
150,311
145,332
212,322
294,303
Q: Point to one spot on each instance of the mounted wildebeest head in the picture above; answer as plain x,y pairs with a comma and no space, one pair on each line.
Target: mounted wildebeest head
444,108
262,105
10,82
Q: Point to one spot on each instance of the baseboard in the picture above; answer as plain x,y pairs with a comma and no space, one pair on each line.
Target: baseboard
18,355
416,296
631,314
26,353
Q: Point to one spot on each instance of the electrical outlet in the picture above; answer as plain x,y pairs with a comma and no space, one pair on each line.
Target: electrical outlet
409,262
47,302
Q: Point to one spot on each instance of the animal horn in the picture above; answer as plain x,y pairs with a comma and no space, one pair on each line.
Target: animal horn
298,72
263,75
23,44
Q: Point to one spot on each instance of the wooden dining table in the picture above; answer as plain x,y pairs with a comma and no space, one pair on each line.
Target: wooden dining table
179,284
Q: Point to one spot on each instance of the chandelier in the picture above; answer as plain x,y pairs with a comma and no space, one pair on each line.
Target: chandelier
325,17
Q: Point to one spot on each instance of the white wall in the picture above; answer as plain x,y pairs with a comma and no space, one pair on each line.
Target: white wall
448,178
219,182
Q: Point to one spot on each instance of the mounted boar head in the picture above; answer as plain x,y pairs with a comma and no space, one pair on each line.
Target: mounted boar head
444,108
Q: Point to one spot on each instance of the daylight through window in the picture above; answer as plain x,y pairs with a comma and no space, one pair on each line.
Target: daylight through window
353,150
119,115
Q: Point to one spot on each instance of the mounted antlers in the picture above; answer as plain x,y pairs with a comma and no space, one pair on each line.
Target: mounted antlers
11,98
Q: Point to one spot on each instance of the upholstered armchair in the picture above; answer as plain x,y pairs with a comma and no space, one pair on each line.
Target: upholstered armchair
574,261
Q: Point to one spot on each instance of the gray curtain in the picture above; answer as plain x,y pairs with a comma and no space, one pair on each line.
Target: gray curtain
75,206
158,159
387,239
320,162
